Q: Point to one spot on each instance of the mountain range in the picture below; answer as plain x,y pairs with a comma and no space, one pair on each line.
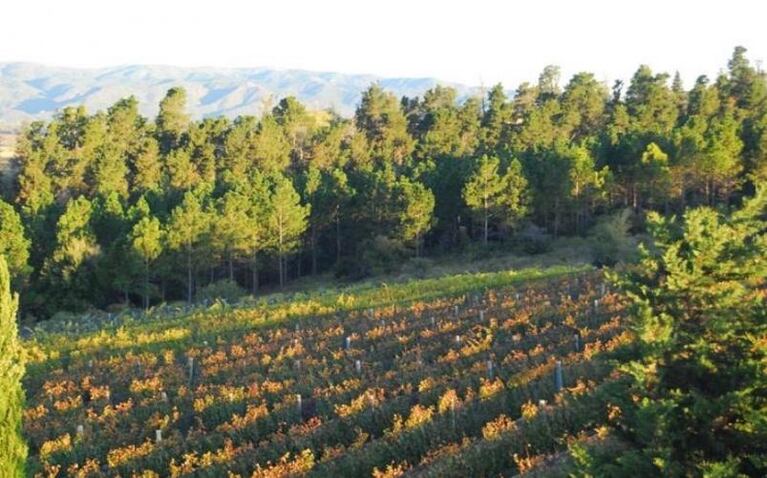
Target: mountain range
31,91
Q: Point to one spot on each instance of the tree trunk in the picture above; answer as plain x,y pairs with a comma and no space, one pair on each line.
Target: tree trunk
231,267
634,197
486,226
146,285
189,276
254,271
338,239
417,244
281,259
314,250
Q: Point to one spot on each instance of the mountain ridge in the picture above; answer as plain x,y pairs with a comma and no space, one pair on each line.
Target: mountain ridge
31,91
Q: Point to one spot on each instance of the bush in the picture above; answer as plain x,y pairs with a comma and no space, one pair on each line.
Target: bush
226,289
417,267
610,239
383,255
532,240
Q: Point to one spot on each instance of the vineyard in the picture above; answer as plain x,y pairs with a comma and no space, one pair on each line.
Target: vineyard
474,376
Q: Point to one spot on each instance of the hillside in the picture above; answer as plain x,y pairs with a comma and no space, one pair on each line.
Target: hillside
454,376
32,91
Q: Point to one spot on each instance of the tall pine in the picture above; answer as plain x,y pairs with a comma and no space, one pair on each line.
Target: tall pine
13,450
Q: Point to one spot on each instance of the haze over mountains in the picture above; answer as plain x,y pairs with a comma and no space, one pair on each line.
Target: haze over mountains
31,91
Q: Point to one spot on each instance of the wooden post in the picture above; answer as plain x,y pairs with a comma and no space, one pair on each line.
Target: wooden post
558,376
190,365
158,435
452,414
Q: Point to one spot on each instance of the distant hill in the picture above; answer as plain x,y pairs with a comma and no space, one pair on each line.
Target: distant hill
32,91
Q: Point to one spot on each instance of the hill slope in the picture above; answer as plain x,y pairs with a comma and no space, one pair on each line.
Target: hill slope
31,91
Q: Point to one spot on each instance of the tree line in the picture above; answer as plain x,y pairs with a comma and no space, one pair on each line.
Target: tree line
114,207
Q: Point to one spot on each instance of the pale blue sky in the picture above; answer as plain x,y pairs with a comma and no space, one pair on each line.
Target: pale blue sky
473,42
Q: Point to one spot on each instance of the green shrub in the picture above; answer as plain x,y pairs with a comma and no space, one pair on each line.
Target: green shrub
225,289
610,239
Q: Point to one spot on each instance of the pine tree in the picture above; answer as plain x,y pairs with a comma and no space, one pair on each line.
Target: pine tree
694,403
146,239
655,175
483,192
182,173
186,228
13,242
256,228
68,272
172,120
231,223
271,147
287,221
515,198
416,211
13,450
146,168
380,118
496,120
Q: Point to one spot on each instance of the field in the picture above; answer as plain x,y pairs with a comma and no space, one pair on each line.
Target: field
468,375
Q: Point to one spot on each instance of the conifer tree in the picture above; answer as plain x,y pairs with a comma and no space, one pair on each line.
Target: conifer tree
13,450
172,120
13,242
416,211
186,229
147,242
483,192
287,221
694,401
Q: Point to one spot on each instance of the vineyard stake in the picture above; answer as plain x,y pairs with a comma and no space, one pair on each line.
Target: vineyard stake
452,414
158,435
190,364
80,430
358,366
577,340
299,404
558,376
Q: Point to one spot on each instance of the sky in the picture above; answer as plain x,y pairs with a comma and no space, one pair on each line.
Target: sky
475,42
